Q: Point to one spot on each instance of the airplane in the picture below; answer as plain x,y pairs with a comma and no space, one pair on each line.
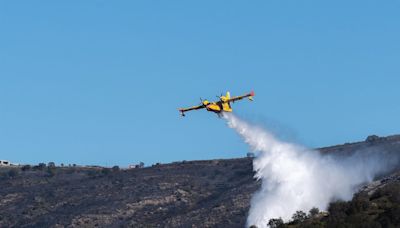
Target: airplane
223,105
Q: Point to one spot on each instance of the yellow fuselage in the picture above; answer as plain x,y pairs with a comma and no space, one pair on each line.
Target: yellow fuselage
219,107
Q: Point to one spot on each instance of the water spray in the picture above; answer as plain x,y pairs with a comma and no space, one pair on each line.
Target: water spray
296,178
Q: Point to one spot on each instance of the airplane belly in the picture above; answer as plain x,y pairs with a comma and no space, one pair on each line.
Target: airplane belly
213,108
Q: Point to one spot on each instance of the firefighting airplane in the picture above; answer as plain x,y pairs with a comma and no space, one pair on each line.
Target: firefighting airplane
223,105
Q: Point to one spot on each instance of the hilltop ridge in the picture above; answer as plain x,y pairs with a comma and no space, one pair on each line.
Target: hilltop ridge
212,193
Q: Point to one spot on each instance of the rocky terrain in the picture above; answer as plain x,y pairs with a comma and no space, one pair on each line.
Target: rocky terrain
213,193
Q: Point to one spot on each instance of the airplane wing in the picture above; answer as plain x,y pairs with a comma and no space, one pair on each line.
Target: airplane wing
249,95
183,110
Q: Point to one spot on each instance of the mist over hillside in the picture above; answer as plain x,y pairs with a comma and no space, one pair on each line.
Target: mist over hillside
214,193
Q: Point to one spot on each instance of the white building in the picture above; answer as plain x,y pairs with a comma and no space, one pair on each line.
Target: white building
4,163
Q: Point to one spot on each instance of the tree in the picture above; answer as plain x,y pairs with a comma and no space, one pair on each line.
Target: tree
299,216
275,223
314,212
141,165
373,139
115,168
40,166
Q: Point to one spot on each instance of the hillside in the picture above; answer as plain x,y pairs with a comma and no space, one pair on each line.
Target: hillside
181,194
213,193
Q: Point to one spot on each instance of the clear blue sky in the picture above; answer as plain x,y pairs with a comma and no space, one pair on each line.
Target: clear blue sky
99,82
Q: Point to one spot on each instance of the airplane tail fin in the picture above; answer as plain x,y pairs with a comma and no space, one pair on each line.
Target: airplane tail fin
251,95
227,105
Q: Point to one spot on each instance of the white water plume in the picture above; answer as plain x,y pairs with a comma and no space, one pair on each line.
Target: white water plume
296,178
